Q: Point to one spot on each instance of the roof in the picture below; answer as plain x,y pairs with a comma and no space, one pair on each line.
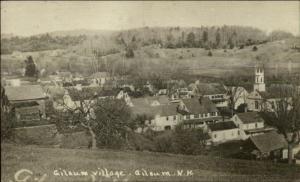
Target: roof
211,88
168,110
228,125
196,107
25,92
162,110
91,92
269,141
144,101
250,117
64,74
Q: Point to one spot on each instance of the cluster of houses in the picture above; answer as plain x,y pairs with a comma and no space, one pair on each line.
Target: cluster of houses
198,106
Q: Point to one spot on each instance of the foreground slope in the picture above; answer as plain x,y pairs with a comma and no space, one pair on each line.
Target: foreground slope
50,163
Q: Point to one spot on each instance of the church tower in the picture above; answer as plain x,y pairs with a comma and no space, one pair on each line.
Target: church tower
259,84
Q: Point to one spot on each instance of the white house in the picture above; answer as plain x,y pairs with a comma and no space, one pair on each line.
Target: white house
166,118
100,78
223,131
215,92
250,124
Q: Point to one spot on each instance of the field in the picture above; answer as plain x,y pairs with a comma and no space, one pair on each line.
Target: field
48,164
276,57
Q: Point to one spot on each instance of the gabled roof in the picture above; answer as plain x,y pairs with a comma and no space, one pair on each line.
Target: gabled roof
162,110
144,101
195,106
250,117
168,110
228,125
88,93
269,141
25,92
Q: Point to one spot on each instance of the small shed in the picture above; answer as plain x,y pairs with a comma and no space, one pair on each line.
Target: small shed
269,145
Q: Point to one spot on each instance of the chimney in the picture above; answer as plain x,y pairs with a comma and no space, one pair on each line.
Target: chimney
200,99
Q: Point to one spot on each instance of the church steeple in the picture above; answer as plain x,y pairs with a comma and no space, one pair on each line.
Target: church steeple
259,84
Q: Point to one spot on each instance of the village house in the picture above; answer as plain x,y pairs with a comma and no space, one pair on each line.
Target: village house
74,96
270,145
215,92
28,101
223,132
65,75
250,124
99,78
197,112
163,116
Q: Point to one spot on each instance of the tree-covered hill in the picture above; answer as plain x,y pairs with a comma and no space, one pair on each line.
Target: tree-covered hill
107,42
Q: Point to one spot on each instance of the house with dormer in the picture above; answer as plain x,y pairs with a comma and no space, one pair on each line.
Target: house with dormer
198,112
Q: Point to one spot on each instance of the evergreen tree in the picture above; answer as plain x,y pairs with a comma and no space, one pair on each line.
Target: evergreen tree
30,69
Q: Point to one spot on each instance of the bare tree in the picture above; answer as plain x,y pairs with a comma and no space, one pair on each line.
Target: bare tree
234,95
107,120
284,114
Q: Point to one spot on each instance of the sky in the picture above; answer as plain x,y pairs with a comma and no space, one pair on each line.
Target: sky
28,18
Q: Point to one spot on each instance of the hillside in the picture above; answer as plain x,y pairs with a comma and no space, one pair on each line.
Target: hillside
46,160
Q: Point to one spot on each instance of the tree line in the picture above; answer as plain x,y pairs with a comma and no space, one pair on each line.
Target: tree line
166,37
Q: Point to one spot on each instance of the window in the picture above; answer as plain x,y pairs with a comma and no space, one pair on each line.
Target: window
256,104
196,116
238,132
188,116
273,105
167,118
215,135
255,125
167,127
213,114
204,115
174,117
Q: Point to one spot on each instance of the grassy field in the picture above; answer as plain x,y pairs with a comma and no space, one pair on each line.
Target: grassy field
47,164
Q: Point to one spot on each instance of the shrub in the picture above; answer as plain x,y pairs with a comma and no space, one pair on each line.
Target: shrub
164,142
241,46
189,141
129,53
254,48
209,53
7,124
